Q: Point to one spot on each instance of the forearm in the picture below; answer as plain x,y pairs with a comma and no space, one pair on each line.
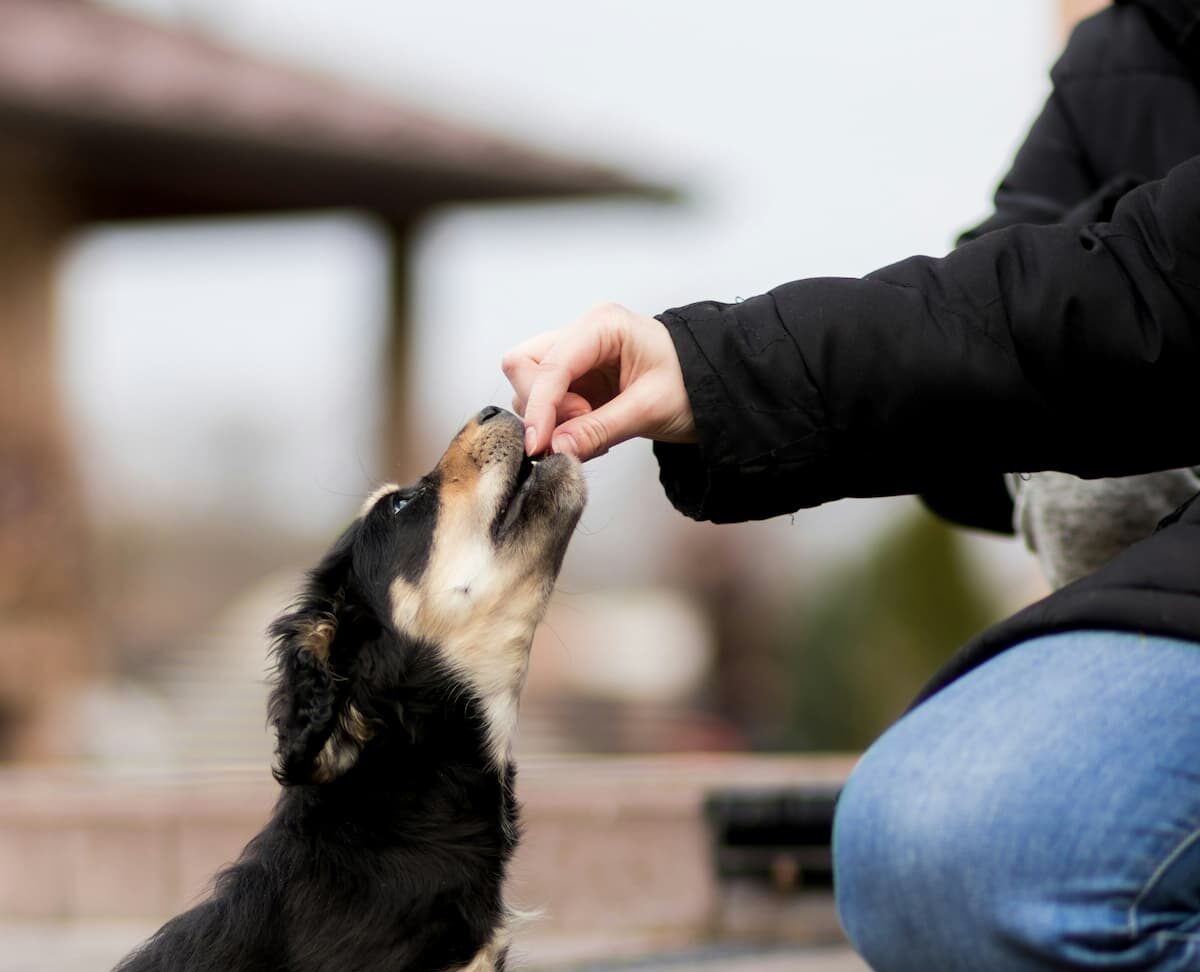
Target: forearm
1030,348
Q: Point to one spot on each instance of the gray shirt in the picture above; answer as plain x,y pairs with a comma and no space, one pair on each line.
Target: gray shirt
1077,525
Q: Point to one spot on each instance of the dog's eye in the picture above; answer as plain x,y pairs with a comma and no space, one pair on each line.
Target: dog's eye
399,501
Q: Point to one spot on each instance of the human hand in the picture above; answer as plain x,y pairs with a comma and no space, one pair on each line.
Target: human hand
609,376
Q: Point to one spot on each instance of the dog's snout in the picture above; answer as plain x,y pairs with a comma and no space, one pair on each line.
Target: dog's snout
492,435
489,420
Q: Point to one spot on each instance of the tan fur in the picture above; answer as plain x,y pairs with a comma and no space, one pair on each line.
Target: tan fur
342,747
489,956
375,497
320,637
479,604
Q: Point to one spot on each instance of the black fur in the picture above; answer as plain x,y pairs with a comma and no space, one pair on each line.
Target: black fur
394,864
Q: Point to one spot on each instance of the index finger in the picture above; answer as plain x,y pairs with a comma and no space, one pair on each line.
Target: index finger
576,352
519,364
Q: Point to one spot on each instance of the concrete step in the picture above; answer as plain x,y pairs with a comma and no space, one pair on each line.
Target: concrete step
216,685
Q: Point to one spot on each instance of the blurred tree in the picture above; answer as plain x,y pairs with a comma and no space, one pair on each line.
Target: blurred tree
852,655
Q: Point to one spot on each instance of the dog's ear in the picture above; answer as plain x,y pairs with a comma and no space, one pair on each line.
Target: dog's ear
304,698
319,732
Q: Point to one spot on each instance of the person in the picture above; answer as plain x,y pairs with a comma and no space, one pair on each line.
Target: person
1038,807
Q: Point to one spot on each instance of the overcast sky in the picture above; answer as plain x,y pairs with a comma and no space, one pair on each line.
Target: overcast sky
810,138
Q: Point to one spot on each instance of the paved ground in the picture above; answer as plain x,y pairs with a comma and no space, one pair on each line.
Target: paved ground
835,959
96,946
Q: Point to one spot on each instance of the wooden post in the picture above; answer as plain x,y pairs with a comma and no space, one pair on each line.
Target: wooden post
46,644
399,447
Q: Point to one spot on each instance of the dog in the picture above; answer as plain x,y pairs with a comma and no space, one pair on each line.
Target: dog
398,674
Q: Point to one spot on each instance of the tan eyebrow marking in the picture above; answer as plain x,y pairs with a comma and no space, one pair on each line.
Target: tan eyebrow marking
375,497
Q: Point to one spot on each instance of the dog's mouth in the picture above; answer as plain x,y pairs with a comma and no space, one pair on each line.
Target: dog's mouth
526,478
539,498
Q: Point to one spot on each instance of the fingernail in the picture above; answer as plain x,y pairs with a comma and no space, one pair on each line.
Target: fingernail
530,439
565,445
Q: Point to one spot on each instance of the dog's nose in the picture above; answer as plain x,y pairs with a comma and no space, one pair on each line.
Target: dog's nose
489,413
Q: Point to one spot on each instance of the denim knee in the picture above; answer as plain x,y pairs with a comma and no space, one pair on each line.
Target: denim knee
895,875
993,828
924,881
924,871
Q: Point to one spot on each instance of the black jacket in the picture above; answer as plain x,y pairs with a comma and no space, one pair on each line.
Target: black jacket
1125,109
1072,345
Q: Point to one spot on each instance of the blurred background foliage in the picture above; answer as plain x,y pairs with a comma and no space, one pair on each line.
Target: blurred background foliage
854,650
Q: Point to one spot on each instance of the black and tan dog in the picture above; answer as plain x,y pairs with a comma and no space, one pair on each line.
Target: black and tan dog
399,673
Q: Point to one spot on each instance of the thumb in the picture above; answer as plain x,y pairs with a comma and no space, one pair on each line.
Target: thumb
595,432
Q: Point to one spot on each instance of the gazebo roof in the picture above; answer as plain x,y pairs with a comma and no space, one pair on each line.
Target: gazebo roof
143,120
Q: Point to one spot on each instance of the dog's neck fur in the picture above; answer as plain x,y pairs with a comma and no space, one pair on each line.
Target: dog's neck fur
432,736
483,632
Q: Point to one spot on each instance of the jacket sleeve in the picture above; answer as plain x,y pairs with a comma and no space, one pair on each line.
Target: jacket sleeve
1046,175
1049,177
1030,348
979,499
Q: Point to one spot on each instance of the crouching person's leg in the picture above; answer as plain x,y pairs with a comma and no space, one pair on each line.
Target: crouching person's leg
1043,812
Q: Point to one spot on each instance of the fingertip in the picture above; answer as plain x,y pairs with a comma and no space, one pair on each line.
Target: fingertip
536,420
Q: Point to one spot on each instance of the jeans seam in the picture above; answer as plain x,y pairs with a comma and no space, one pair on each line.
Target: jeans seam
1153,880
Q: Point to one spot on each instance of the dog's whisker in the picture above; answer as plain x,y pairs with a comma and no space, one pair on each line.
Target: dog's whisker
589,531
569,592
557,637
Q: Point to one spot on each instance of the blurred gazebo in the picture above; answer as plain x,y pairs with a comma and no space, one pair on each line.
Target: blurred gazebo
104,117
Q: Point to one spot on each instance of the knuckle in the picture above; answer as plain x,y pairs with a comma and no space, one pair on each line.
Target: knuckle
607,308
594,432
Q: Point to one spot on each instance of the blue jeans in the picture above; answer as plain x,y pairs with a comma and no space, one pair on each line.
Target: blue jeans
1043,812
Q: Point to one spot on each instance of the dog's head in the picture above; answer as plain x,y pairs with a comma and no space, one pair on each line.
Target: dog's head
432,593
